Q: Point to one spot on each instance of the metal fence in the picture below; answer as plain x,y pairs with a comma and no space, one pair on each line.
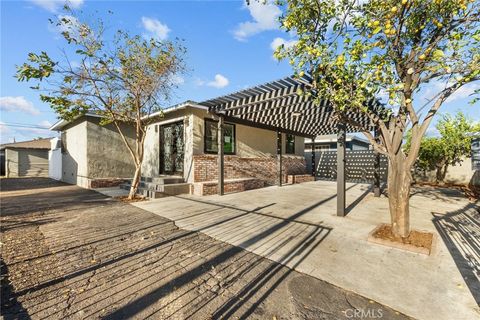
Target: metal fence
359,165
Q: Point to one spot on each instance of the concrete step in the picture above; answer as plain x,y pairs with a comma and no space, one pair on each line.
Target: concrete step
163,179
152,190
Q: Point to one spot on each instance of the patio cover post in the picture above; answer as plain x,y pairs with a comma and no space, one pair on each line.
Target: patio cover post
220,160
341,138
314,167
376,169
279,157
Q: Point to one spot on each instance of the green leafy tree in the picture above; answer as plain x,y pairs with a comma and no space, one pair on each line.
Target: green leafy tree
451,148
122,78
355,49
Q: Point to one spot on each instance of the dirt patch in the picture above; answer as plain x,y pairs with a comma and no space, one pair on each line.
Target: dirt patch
137,198
471,192
417,241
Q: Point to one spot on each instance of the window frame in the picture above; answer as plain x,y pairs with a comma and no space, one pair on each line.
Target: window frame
286,143
234,133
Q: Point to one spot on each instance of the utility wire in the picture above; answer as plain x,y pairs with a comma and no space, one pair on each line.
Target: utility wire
23,125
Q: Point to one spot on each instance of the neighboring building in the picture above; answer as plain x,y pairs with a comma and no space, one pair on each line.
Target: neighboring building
329,143
26,158
183,142
2,162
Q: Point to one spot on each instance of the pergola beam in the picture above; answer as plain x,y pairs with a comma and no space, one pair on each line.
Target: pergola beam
376,168
314,167
264,126
220,159
279,158
341,187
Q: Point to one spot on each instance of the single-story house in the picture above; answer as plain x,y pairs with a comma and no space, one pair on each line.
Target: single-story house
329,143
182,143
26,158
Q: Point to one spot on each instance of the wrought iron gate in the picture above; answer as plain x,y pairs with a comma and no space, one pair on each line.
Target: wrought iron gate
171,148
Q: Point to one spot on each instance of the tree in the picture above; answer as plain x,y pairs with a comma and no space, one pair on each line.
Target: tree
453,145
123,78
356,49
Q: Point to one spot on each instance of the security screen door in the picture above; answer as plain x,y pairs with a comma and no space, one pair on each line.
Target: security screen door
171,148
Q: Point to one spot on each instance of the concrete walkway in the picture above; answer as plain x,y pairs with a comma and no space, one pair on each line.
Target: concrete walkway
296,225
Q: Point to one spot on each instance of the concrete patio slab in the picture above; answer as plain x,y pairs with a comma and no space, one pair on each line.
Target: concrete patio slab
296,225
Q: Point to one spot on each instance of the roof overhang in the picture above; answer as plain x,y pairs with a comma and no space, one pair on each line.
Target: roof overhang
180,106
59,125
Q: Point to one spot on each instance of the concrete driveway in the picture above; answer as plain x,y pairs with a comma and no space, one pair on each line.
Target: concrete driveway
297,226
70,253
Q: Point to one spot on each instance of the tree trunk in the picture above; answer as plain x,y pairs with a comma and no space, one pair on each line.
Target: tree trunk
135,181
399,180
441,173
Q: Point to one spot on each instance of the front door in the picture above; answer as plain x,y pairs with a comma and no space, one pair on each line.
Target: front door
171,148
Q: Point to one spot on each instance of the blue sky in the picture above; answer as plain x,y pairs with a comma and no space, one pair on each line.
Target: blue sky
229,48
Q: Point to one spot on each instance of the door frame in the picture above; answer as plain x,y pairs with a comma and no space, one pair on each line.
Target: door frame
162,151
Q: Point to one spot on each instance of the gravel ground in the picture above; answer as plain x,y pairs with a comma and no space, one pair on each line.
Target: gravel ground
70,253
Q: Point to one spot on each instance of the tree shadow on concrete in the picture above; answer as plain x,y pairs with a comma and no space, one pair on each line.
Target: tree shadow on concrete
16,184
119,261
310,237
460,231
10,308
69,197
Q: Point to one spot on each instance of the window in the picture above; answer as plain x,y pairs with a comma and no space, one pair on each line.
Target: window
211,137
322,147
290,144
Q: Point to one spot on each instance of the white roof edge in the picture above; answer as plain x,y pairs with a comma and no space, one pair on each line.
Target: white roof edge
61,123
57,126
180,106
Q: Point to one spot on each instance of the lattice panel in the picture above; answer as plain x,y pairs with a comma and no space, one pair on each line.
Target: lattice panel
359,165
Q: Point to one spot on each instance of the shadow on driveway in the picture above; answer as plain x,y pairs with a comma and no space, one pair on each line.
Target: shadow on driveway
91,257
460,231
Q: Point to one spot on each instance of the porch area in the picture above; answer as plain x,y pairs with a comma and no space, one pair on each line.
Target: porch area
297,225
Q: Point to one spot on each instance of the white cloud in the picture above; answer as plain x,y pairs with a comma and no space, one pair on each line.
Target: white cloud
45,123
4,129
218,82
464,92
264,17
177,80
432,90
12,104
279,41
155,28
55,5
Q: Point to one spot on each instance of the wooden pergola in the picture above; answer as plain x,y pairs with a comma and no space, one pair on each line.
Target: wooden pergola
278,107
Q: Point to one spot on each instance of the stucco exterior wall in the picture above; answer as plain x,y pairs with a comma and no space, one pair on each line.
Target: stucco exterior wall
74,153
11,163
107,154
250,142
459,174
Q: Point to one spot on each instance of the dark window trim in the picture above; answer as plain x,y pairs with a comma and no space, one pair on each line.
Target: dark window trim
205,136
286,143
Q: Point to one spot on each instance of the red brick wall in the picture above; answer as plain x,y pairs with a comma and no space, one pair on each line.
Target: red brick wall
300,178
205,167
209,188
